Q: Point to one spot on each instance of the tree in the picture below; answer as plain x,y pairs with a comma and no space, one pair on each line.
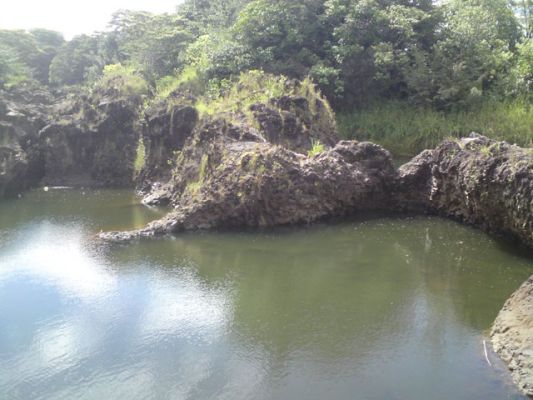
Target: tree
378,43
474,49
75,60
33,50
207,16
48,43
282,36
154,42
12,71
524,11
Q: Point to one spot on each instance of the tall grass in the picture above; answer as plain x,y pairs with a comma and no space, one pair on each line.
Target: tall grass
406,130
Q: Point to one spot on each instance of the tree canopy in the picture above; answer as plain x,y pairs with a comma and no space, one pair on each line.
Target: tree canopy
444,54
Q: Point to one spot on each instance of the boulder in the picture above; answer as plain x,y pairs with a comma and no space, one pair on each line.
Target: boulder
512,336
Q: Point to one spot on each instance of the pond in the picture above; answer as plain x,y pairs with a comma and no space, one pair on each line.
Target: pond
370,309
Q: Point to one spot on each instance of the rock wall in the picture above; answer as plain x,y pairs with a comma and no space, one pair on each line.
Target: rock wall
22,114
167,127
66,139
91,142
476,180
512,336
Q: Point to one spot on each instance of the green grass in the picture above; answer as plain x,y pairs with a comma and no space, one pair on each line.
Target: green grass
124,79
252,87
406,130
317,148
188,80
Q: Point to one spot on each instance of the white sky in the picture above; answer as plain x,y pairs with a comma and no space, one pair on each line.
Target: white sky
72,17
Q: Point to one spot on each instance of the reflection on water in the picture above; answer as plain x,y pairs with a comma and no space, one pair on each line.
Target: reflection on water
383,309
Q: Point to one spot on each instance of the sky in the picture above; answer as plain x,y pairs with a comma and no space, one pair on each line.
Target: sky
72,17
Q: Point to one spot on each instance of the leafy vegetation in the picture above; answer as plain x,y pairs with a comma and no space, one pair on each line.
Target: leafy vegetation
407,130
440,68
123,81
317,148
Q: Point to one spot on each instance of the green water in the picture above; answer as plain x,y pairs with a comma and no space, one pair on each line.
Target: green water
381,309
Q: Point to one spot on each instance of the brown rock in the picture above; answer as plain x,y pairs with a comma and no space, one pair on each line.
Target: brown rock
512,336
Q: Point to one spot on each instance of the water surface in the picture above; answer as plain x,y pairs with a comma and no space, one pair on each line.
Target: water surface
381,309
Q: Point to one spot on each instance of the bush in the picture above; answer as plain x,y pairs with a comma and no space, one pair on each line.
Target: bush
122,81
316,148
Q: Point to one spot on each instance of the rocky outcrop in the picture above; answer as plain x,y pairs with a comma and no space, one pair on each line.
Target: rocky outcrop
512,336
23,112
479,181
167,126
91,142
66,139
295,122
253,166
233,172
251,185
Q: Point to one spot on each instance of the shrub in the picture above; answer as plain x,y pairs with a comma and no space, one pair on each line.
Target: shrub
123,81
316,148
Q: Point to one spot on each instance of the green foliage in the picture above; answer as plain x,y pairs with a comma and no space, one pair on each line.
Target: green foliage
316,148
376,43
443,59
473,51
251,88
155,42
519,82
48,42
27,55
407,130
75,60
282,36
122,81
207,16
12,71
524,11
189,80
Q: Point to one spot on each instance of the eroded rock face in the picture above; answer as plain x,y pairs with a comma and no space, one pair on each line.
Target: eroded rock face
295,124
288,121
66,139
229,174
91,141
166,129
251,185
479,181
512,336
23,112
